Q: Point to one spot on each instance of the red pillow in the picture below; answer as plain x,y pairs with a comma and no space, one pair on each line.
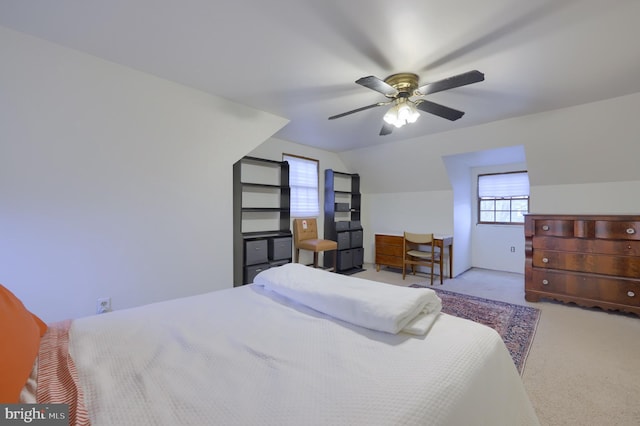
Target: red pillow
20,333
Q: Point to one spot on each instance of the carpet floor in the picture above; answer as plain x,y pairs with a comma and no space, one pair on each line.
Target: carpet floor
516,324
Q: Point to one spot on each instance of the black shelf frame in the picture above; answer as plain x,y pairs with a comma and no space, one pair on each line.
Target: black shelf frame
284,212
355,204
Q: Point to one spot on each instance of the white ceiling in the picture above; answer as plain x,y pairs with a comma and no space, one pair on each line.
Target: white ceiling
299,59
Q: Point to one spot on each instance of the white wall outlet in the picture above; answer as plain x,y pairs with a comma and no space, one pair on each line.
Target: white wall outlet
103,305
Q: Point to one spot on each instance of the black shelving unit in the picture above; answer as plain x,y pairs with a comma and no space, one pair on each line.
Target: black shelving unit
342,223
257,250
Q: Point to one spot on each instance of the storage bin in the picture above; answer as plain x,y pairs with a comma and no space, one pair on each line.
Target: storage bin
357,255
255,251
279,248
250,272
342,207
342,225
356,239
344,240
345,260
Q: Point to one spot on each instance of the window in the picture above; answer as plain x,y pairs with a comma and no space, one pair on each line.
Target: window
303,180
503,198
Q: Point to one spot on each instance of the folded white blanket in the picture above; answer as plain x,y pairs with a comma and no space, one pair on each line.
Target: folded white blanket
370,304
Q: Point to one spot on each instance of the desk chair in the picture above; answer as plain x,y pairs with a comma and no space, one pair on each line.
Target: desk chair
419,250
305,237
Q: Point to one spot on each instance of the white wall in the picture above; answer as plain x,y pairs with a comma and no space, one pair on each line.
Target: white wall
273,149
405,211
593,198
580,160
113,183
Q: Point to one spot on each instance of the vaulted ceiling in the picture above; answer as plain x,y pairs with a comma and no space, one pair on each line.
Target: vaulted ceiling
299,59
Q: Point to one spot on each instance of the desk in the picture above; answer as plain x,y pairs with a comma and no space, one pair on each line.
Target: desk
389,251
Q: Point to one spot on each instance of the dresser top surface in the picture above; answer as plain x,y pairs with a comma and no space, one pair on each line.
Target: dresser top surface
584,216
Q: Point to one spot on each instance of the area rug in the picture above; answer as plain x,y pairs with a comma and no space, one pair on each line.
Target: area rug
516,324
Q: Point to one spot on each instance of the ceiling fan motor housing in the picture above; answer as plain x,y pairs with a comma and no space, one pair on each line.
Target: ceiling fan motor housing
405,83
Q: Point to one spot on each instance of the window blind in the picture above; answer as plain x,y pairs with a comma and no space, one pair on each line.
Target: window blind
504,185
303,180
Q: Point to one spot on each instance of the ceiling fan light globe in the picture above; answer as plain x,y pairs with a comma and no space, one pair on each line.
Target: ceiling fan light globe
413,117
391,116
408,113
394,120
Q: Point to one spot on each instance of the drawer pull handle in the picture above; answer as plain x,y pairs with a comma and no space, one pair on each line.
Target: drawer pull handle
631,231
545,260
630,293
545,227
545,282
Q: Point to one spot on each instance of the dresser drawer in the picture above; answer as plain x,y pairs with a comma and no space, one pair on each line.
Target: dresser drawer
389,240
384,259
612,290
581,245
386,250
553,227
623,266
618,229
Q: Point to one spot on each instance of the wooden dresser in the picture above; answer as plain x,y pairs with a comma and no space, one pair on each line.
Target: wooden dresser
591,260
388,250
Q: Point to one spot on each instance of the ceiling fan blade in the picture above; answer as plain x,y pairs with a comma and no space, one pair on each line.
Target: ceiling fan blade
439,110
386,129
374,83
358,110
470,77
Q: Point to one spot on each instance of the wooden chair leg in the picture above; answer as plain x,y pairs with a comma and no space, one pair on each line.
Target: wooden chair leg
315,259
297,255
335,261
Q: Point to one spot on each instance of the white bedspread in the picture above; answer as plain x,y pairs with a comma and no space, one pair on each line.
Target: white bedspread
247,357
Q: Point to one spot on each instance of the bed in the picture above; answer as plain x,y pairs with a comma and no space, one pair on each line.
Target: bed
298,347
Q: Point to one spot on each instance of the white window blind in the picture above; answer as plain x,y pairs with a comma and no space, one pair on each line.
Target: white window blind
303,180
503,185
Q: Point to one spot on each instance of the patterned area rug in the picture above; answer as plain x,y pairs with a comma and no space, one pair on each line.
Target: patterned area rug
515,323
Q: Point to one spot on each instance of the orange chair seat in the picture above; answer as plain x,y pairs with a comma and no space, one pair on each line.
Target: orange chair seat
317,245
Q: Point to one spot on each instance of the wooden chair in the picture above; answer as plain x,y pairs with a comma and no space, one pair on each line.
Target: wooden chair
419,250
305,237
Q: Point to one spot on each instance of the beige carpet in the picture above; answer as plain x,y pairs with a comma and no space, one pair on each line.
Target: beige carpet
584,364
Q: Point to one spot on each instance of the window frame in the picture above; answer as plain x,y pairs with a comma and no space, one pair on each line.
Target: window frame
295,213
510,199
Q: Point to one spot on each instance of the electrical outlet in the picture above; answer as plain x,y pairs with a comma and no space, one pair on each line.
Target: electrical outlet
103,305
513,249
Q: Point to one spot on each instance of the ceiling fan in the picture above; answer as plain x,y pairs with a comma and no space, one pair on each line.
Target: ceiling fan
400,88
